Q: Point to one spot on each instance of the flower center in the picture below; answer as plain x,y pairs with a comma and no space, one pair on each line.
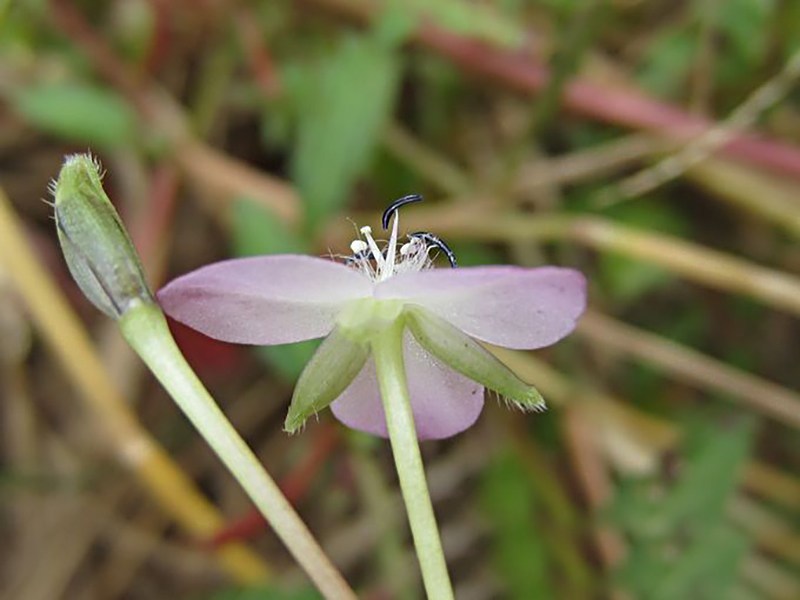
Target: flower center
366,317
381,263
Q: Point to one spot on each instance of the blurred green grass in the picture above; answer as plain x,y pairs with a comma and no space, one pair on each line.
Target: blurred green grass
310,99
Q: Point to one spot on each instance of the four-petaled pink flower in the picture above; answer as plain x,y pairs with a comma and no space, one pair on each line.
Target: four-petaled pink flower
281,299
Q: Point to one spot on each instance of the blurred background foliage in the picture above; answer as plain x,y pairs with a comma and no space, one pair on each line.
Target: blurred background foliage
667,465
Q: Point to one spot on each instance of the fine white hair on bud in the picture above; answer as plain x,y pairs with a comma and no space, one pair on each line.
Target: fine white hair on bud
97,249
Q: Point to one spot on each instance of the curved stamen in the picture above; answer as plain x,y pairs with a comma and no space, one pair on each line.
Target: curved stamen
396,205
432,240
377,255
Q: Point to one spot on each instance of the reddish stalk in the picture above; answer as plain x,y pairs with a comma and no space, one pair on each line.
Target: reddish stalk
614,105
72,24
518,71
259,58
150,231
160,44
294,486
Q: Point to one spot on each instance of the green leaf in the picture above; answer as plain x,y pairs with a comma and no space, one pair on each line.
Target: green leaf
746,23
710,476
469,19
668,61
257,231
518,550
681,542
628,280
707,569
78,112
288,360
343,105
787,31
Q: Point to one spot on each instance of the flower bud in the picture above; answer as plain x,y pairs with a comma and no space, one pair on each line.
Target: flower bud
98,250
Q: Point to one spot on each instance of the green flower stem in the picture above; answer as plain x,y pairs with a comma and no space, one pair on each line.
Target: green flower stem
387,348
145,329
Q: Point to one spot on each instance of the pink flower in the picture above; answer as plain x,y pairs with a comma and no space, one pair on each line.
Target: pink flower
289,298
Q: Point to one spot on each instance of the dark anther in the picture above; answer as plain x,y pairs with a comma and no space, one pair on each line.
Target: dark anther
357,256
396,205
431,239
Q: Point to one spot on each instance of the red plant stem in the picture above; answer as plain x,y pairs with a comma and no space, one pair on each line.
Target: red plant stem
150,231
161,40
294,486
260,60
70,21
297,482
243,528
512,69
624,107
521,72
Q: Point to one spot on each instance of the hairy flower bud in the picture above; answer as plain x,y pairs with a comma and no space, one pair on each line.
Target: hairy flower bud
98,250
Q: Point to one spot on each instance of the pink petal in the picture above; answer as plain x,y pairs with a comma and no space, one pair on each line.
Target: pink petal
444,402
513,307
264,299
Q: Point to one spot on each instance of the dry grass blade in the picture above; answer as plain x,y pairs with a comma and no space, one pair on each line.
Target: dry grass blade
697,263
765,197
132,445
692,367
713,139
770,531
768,482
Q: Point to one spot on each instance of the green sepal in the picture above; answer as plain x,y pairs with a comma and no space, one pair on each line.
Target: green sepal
463,354
96,247
333,367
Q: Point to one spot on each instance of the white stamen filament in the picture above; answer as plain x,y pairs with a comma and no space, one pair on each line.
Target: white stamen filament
366,231
391,250
367,257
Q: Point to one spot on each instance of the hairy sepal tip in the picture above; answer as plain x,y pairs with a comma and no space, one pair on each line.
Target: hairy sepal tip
330,371
463,354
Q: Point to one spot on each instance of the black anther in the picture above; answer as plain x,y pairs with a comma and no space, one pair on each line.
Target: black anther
431,239
357,256
396,205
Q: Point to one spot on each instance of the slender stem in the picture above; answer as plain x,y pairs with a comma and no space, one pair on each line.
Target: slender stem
388,354
392,558
693,367
146,330
132,445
